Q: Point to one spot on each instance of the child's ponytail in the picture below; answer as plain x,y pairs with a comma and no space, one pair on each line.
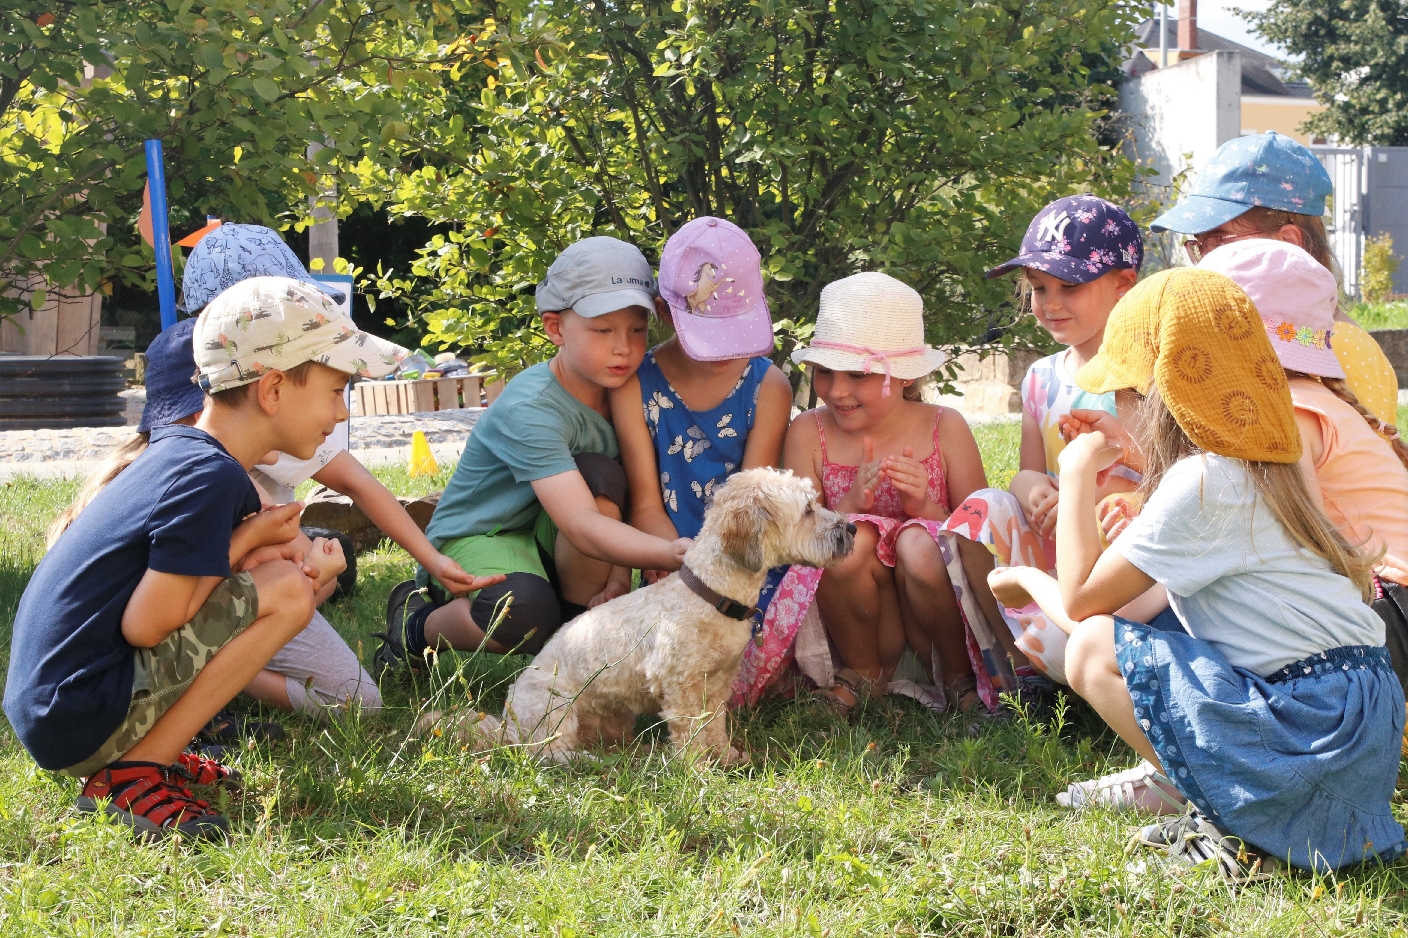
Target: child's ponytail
116,461
1388,431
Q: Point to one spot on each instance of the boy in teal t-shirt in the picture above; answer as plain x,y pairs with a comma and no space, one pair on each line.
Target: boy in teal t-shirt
539,492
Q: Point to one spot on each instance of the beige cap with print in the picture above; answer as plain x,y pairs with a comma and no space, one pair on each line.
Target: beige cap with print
276,323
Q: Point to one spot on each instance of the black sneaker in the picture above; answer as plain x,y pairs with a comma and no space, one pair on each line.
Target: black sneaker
406,598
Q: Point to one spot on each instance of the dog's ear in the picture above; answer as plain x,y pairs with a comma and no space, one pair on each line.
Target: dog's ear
741,531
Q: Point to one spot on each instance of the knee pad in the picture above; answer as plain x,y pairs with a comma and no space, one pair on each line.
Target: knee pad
533,615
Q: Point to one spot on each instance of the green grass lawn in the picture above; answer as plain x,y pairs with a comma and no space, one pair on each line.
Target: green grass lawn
894,822
1381,315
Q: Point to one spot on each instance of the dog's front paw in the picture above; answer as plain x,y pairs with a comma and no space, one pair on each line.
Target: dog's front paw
734,756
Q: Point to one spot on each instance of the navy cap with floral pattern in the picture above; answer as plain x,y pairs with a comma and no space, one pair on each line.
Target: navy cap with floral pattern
1077,239
1267,170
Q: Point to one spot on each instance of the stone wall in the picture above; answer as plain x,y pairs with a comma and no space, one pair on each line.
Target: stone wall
990,385
1394,342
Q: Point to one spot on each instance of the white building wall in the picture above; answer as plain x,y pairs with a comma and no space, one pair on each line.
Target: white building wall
1175,118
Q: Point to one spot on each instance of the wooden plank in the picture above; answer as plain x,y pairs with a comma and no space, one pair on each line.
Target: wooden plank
379,406
472,390
493,389
447,393
423,393
76,324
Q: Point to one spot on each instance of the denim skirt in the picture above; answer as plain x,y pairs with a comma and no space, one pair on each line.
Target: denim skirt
1301,763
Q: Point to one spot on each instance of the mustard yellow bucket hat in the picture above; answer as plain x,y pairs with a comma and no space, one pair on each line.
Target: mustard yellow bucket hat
1196,335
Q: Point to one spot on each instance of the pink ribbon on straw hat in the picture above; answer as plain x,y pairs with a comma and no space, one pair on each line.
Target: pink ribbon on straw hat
869,354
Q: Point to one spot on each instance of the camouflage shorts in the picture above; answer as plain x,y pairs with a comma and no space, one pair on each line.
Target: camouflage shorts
161,674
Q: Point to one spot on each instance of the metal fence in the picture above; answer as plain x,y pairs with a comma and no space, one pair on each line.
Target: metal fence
1370,198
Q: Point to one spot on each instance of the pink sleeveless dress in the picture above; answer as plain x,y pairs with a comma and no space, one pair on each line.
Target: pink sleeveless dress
775,651
887,514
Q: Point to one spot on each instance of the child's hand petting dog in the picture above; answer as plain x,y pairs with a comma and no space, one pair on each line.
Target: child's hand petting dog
910,478
861,497
324,560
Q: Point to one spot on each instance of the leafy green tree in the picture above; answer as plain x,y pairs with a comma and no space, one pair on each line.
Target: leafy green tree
914,136
236,89
1355,55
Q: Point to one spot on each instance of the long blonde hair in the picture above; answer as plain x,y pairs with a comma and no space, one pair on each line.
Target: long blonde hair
113,464
1281,486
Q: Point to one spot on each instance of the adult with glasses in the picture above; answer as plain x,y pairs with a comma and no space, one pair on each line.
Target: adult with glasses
1269,186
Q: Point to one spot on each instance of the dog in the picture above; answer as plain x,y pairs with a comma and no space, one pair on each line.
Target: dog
667,649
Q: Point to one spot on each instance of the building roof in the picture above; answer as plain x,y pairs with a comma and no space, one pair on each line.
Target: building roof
1261,73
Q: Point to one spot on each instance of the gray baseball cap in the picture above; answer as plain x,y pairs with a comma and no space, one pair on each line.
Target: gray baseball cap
596,276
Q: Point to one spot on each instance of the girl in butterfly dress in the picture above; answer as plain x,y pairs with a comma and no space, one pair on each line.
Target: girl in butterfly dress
894,465
705,403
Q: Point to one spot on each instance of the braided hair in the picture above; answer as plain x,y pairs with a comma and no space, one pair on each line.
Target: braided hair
1388,431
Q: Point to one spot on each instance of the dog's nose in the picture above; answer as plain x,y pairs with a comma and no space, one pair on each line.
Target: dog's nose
850,528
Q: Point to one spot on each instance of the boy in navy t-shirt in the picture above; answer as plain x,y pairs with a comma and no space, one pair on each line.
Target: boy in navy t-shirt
171,589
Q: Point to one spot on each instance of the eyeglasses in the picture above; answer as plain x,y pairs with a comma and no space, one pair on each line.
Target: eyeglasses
1195,248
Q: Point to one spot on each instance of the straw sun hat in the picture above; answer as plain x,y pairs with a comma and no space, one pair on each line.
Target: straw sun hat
871,322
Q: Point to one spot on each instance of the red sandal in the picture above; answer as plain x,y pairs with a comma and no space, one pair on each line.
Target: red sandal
144,796
201,770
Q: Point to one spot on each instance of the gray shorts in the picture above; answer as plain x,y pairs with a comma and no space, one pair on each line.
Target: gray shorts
322,672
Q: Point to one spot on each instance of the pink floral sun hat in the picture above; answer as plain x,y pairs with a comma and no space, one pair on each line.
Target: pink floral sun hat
1294,294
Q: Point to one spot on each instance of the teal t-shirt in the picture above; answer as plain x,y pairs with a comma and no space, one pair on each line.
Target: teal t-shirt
532,431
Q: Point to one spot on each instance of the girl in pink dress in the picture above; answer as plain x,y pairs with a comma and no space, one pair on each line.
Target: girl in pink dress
894,465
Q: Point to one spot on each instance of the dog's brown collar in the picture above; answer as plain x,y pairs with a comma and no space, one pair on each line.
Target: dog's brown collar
729,607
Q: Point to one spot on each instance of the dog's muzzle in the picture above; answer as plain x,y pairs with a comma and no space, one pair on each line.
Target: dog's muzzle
843,539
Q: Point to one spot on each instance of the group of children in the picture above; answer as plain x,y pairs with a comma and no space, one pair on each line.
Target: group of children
1222,483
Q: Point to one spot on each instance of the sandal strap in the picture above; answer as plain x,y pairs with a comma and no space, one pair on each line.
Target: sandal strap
202,770
146,790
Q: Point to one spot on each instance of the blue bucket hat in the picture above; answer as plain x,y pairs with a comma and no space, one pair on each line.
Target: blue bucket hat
1077,239
1257,171
171,369
232,253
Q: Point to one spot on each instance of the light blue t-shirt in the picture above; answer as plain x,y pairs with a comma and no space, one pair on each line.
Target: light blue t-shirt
531,432
1235,578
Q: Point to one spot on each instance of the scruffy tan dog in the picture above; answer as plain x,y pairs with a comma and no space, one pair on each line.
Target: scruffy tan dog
672,648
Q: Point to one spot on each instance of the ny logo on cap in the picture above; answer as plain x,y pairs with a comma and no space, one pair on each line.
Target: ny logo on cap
1052,227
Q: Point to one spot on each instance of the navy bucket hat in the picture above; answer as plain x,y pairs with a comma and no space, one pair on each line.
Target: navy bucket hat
1077,239
232,253
171,369
1267,170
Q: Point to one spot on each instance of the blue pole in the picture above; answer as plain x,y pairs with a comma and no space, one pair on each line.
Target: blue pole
161,234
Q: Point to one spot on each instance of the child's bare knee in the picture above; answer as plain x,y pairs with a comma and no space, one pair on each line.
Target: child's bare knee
284,592
1090,653
608,508
917,555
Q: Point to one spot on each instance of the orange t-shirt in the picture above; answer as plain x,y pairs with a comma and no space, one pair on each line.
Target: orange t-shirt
1363,484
